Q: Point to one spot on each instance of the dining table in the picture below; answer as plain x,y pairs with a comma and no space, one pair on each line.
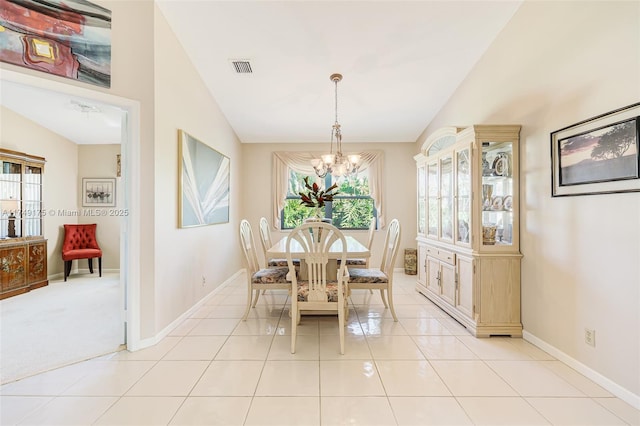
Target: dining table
355,249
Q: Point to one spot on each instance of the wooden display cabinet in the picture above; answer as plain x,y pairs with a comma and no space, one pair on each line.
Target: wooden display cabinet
23,249
468,226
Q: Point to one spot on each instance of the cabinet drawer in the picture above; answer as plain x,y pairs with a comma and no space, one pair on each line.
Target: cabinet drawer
443,255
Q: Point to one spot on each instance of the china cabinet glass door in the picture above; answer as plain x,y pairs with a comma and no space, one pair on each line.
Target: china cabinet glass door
32,201
432,199
446,198
10,199
497,194
463,196
422,192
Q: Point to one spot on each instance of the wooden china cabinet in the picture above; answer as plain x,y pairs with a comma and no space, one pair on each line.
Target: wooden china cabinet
23,249
468,226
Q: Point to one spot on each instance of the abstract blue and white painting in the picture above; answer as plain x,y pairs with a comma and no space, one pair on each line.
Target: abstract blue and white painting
204,183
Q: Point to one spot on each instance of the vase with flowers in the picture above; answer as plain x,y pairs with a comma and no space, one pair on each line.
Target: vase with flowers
315,197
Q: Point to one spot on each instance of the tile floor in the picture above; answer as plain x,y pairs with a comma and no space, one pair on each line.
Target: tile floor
215,369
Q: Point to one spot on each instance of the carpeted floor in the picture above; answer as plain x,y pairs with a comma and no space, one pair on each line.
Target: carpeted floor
60,324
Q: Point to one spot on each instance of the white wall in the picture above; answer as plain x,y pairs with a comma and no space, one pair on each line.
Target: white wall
184,257
99,161
555,64
399,189
60,179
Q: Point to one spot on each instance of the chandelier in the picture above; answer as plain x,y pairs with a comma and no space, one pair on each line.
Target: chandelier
338,165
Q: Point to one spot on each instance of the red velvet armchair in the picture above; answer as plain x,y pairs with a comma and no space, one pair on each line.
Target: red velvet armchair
80,243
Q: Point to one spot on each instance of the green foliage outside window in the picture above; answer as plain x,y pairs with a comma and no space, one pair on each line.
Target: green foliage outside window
352,207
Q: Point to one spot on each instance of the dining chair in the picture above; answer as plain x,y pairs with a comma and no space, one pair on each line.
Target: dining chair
80,243
364,263
380,279
267,243
259,278
316,292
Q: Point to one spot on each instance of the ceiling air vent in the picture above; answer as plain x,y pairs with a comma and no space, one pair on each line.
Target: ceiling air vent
241,66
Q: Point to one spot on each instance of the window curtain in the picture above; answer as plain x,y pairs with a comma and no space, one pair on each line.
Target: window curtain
300,162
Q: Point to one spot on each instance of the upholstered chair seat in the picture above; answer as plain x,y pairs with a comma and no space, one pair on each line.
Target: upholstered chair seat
80,243
331,290
270,275
371,276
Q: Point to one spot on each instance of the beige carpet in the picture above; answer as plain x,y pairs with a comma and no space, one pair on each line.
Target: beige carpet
60,324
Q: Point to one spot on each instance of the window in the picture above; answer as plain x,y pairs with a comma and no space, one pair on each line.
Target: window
352,208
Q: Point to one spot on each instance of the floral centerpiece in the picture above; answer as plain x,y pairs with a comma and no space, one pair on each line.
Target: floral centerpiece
315,197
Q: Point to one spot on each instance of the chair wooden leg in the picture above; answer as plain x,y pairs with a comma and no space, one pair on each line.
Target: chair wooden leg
393,311
67,268
255,300
384,299
100,266
90,260
294,328
341,325
249,294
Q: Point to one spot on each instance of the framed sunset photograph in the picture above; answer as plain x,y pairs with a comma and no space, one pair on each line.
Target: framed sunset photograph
598,155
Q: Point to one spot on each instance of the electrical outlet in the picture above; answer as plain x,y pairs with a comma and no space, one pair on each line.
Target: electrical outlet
204,281
590,337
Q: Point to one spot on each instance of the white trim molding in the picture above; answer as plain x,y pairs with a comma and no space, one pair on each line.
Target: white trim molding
622,393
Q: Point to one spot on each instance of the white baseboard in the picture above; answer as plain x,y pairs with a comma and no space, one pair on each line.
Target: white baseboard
622,393
145,343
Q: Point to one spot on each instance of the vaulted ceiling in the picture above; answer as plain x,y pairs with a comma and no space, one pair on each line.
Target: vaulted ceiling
401,61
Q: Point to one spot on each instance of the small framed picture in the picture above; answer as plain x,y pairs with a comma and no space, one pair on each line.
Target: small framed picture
597,156
98,192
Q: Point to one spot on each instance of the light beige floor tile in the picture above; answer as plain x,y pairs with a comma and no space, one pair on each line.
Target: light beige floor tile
621,409
411,378
217,299
443,347
394,347
355,347
328,325
202,312
453,326
256,327
574,411
501,411
308,327
360,410
372,311
110,378
152,353
50,383
15,408
531,350
169,378
531,378
212,410
185,327
382,327
428,411
230,311
70,410
289,378
264,311
270,298
284,411
585,385
196,348
471,378
229,378
245,348
418,311
350,378
402,299
424,327
494,348
214,327
141,411
307,348
365,297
